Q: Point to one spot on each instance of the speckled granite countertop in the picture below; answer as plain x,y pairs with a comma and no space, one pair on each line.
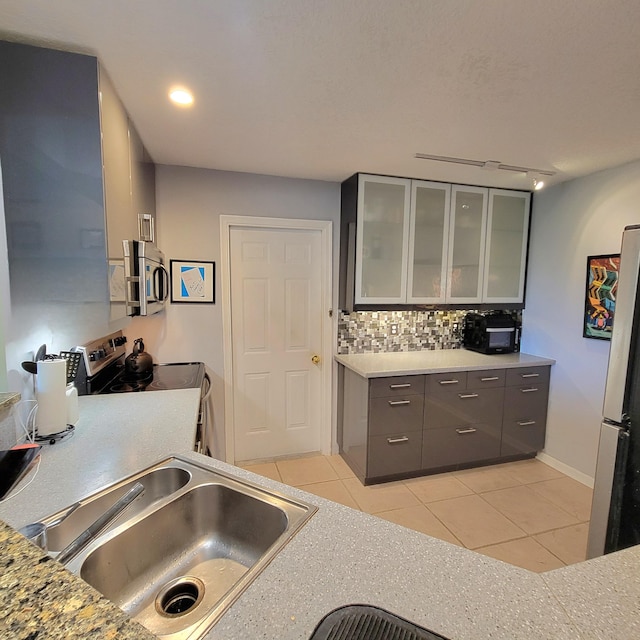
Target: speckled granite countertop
402,363
342,556
8,398
40,599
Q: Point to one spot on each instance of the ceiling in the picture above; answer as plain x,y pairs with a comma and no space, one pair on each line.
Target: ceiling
325,88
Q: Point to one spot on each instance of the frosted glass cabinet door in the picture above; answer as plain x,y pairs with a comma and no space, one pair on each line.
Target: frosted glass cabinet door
507,231
382,240
428,242
467,244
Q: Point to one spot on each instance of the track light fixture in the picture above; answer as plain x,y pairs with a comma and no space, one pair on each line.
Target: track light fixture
490,165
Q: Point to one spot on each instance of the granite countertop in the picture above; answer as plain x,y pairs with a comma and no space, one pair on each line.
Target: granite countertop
401,363
342,556
8,398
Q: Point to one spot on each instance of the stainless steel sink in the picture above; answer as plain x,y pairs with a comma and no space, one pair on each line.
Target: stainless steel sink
180,557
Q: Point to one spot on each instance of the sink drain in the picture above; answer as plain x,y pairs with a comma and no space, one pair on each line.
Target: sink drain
179,597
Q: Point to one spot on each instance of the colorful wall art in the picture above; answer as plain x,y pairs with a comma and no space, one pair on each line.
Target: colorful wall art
600,302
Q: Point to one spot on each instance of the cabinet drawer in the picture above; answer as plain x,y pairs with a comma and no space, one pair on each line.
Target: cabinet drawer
446,381
485,379
396,386
398,453
527,402
528,375
522,436
460,445
399,413
455,408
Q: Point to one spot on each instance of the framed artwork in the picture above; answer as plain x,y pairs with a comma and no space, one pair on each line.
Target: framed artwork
600,297
193,281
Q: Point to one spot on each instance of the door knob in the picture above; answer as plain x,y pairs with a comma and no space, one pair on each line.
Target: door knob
315,359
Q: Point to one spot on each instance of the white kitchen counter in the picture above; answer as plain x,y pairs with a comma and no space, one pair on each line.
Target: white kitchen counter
115,436
342,556
403,363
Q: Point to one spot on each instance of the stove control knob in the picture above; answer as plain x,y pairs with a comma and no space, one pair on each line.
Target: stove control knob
98,354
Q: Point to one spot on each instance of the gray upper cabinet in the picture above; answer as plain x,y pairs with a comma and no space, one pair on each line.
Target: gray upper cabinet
409,242
75,175
50,152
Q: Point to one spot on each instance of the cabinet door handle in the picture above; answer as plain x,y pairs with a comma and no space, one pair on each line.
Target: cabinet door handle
448,382
467,430
529,390
529,375
527,423
397,440
395,403
490,379
400,386
467,395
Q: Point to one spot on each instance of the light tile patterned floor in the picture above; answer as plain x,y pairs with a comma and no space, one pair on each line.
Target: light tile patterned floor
524,513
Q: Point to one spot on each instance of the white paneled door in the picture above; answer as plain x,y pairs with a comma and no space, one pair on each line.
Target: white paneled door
276,326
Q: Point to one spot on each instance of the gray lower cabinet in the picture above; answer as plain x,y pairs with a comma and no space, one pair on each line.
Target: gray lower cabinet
408,425
525,411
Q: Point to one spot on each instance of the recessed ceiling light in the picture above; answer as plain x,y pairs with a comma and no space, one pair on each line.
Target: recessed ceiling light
538,184
181,96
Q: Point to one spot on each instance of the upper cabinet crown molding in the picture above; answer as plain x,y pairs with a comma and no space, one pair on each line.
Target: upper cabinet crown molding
416,242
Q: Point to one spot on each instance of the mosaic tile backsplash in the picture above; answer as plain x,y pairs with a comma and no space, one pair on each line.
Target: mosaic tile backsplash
379,331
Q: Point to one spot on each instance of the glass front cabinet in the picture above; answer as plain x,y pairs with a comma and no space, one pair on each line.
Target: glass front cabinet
408,242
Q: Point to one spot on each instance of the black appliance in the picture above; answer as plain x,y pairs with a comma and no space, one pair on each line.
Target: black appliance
615,509
490,333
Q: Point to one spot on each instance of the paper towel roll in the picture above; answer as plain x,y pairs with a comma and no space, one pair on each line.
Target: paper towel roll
51,386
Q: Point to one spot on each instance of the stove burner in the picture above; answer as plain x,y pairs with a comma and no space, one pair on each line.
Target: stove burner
176,383
127,387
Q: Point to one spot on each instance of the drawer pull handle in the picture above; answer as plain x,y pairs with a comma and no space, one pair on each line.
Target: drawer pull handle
400,386
397,440
467,395
490,379
468,430
529,375
529,390
527,423
395,403
448,382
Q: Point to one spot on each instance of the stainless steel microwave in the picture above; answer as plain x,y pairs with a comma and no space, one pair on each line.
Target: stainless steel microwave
146,278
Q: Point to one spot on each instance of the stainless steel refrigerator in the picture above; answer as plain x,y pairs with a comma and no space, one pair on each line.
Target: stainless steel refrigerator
615,512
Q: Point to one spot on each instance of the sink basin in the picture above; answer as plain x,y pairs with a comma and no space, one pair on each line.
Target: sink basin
186,549
158,484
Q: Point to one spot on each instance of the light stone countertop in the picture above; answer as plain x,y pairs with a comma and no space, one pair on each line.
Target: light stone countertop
403,363
8,398
342,556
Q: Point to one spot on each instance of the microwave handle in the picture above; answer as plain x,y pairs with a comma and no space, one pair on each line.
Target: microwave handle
161,284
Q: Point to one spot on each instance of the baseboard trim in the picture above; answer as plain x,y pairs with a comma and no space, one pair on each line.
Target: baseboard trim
566,469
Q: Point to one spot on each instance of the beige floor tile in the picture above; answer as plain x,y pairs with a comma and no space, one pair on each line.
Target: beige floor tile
300,471
333,490
340,467
438,487
529,510
420,519
266,469
569,494
475,522
527,471
568,543
380,497
525,553
487,479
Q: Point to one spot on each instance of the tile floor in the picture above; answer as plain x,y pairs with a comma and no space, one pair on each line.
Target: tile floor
524,513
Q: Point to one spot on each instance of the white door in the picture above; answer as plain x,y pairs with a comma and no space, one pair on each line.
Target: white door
276,330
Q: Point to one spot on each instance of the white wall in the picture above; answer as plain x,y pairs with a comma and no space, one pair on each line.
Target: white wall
189,203
571,221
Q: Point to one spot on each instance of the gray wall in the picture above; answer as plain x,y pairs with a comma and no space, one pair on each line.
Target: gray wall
189,205
571,221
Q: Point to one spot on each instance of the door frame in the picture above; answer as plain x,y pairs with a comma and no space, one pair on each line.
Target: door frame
325,227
